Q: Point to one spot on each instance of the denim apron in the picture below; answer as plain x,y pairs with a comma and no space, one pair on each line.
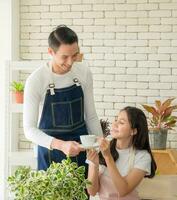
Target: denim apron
63,118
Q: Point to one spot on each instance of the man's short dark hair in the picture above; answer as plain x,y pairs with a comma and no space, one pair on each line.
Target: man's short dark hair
61,35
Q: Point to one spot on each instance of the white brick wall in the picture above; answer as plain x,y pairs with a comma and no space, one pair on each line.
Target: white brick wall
130,46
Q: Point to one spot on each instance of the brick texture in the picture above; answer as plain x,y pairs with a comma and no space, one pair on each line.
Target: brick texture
130,46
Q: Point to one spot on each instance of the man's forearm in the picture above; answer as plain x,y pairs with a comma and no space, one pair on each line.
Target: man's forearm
57,144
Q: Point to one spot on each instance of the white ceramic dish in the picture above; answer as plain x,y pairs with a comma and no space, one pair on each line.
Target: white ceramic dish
95,145
109,138
88,140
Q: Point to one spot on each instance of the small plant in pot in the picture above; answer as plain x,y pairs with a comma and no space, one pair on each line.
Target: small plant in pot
18,89
61,181
160,121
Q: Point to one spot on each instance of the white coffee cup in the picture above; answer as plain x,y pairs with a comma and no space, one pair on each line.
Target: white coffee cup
88,140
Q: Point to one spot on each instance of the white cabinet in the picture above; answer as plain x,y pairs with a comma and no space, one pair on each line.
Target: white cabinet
20,151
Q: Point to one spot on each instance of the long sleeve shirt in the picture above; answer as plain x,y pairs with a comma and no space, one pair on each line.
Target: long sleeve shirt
34,94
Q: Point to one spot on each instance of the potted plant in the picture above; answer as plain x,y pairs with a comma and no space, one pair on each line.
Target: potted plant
105,125
61,181
18,89
160,121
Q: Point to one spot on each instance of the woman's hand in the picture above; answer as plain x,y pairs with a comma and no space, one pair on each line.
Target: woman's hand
92,155
104,147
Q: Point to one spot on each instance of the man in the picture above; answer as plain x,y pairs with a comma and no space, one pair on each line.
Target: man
59,103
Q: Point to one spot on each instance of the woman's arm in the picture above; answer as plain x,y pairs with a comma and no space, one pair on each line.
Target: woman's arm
126,184
93,172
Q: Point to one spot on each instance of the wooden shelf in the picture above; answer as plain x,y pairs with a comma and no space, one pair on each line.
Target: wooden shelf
166,161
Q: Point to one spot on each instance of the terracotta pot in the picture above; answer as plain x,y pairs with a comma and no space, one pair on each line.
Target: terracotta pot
18,97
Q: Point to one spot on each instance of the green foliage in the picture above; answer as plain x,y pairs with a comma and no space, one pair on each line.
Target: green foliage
162,117
17,86
61,181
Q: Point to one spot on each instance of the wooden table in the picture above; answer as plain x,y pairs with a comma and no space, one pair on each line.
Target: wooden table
166,161
161,187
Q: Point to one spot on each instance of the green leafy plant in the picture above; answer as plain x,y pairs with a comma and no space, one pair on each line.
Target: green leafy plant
17,86
61,181
162,117
105,125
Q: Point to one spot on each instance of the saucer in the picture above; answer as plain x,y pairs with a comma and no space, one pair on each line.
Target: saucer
95,145
109,138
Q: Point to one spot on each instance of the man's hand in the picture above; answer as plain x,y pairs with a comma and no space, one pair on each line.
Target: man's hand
69,148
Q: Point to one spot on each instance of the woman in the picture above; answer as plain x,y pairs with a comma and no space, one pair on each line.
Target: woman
124,161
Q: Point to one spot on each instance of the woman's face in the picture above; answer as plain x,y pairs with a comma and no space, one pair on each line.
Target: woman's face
121,128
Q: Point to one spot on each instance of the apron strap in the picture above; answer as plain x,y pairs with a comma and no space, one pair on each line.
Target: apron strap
74,76
51,83
131,159
76,81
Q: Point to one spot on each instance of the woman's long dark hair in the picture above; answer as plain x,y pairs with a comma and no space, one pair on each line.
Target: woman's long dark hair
140,141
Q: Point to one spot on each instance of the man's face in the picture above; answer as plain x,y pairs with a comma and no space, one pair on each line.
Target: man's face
64,57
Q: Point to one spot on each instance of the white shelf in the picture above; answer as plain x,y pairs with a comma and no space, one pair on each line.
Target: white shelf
25,158
16,108
15,157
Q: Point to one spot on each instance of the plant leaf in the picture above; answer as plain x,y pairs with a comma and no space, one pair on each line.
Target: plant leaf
168,111
166,104
150,109
62,181
158,105
170,123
